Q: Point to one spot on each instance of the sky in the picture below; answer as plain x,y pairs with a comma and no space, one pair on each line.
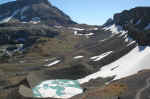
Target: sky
94,12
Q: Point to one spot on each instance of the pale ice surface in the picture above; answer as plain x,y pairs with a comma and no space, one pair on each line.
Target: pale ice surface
58,89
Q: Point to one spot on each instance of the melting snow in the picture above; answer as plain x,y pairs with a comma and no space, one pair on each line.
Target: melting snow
58,26
131,43
127,38
138,22
93,29
97,58
86,34
89,34
147,27
78,57
76,29
115,29
9,18
75,32
53,63
136,60
35,20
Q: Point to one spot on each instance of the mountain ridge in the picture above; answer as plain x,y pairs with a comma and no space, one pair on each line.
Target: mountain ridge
40,11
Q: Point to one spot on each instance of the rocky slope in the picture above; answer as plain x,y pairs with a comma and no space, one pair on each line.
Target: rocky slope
139,16
47,45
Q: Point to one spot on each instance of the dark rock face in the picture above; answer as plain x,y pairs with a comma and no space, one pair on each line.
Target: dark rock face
33,16
28,10
141,14
141,37
12,34
135,22
109,22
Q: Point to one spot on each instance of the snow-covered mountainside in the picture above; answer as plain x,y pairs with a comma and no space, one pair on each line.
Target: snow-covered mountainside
131,63
134,22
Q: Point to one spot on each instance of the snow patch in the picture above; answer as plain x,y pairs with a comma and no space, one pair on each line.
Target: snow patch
10,17
89,34
83,34
147,27
131,43
35,20
76,29
127,38
116,29
78,57
97,58
24,22
95,29
58,26
131,63
138,22
53,63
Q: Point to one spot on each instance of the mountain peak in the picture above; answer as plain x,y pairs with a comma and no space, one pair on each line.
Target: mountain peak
30,10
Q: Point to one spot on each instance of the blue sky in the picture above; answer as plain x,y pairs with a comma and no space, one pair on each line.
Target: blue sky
95,11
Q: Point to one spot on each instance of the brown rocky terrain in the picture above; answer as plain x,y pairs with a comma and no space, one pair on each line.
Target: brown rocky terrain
30,43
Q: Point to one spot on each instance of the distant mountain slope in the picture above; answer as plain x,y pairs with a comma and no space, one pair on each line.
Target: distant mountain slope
33,11
140,16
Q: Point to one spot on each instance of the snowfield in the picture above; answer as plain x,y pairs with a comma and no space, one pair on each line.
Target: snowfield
53,63
97,58
131,63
